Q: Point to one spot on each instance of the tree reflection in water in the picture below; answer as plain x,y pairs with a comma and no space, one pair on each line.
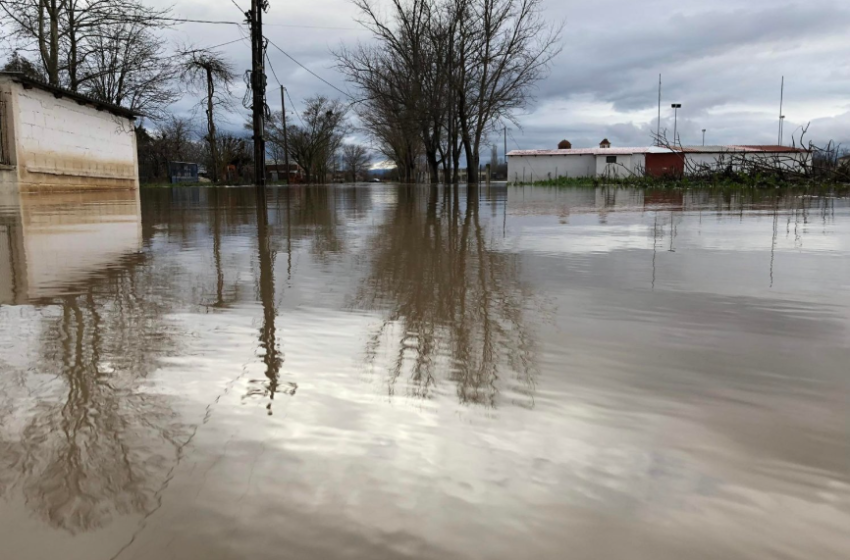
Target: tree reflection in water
453,305
272,355
96,444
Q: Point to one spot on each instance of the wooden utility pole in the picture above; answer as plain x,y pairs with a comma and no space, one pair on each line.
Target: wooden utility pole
285,137
258,85
658,125
781,101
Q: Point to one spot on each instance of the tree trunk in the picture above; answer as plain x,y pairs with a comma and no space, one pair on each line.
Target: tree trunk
471,156
49,41
433,168
72,50
211,127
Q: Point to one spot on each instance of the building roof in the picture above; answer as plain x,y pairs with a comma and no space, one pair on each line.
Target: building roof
658,150
771,148
763,149
29,82
592,151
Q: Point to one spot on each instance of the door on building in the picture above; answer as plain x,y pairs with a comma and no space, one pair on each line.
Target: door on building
665,165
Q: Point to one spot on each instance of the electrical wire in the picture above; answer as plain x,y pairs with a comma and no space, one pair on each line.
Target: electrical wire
239,40
290,57
286,91
209,21
241,11
269,60
291,102
313,27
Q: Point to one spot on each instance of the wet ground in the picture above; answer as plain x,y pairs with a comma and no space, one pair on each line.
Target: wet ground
376,372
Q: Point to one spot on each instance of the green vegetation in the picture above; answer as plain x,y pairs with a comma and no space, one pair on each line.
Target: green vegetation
725,181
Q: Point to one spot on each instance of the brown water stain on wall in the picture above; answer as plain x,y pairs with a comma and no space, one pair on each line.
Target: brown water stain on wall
56,172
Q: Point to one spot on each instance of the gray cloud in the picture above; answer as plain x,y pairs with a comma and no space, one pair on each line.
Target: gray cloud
722,60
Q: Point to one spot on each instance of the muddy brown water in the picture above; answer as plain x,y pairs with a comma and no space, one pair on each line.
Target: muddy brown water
382,372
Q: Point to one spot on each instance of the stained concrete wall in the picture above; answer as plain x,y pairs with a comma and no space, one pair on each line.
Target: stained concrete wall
544,167
626,166
720,161
61,144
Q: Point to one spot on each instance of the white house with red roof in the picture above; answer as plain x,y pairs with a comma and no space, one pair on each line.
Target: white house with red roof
526,166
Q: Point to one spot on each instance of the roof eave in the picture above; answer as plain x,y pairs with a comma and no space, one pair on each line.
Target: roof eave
59,92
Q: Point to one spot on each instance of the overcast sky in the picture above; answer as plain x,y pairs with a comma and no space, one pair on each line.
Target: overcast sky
722,59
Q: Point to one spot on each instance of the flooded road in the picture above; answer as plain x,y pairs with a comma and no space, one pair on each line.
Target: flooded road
377,372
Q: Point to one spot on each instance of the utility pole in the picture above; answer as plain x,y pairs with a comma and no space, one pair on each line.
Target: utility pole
703,137
676,107
258,86
506,145
285,137
658,131
781,100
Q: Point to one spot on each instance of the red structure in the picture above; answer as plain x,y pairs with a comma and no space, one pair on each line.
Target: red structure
665,164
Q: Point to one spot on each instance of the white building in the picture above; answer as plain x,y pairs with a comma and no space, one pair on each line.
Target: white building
55,139
528,166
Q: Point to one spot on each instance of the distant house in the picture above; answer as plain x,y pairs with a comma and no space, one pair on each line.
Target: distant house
278,172
55,139
541,165
183,172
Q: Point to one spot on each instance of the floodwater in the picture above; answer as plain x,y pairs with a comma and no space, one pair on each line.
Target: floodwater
381,372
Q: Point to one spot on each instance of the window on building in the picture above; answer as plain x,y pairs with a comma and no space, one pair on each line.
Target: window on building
611,159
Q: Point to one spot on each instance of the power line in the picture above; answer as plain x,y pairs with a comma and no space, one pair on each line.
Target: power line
209,21
290,57
272,69
143,19
241,11
314,27
291,102
239,40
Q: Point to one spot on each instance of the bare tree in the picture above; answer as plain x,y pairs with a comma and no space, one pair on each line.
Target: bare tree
402,79
448,69
510,51
65,33
127,66
208,72
275,140
355,161
39,21
314,145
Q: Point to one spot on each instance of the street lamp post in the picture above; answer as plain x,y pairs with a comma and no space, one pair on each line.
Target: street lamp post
676,107
781,128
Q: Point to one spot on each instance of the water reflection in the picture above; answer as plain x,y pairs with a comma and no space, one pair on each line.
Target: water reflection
663,365
269,348
453,306
49,243
100,445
